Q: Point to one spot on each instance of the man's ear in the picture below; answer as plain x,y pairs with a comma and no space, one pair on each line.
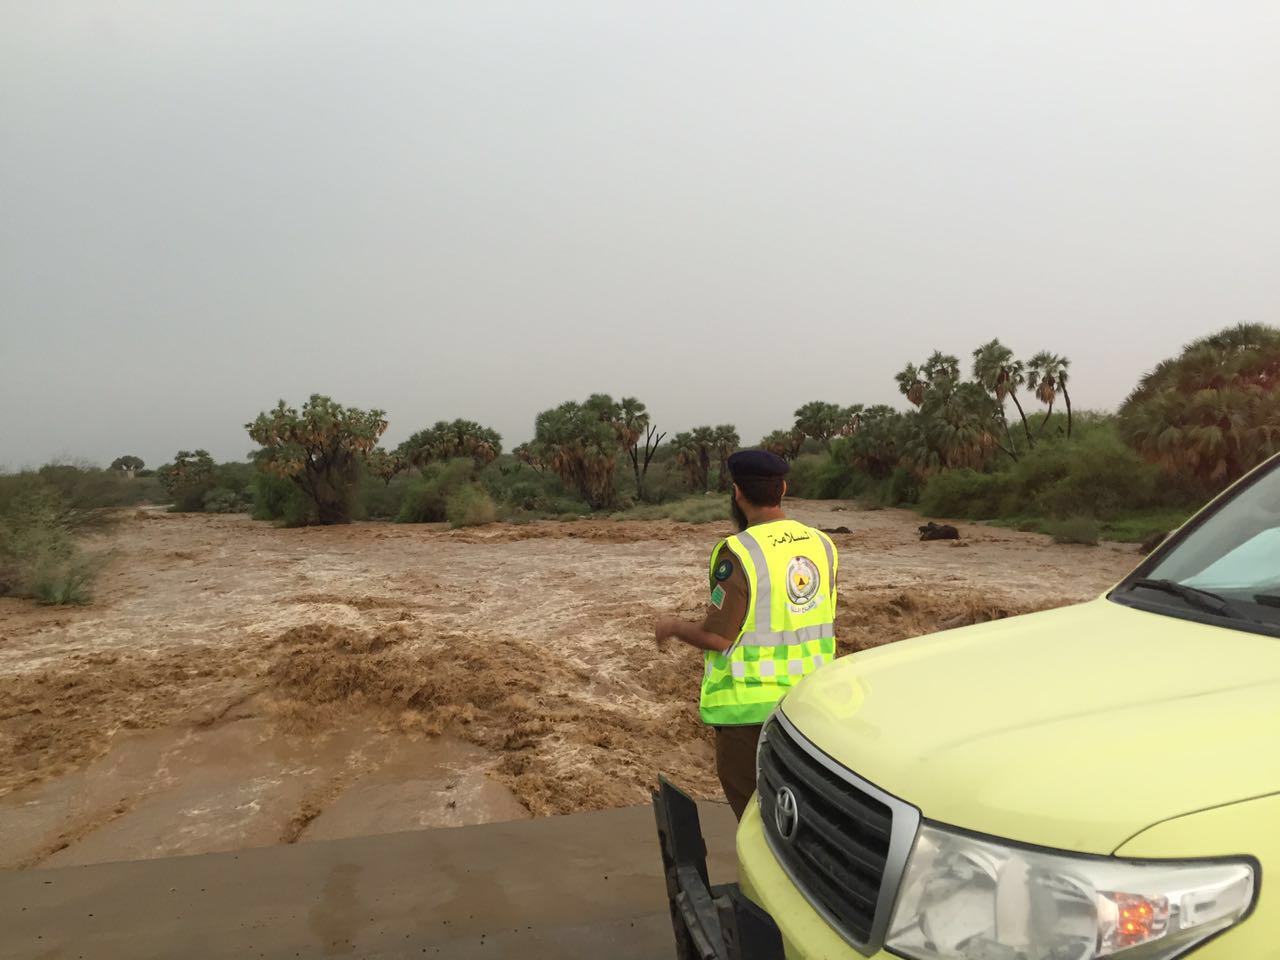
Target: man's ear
784,488
736,495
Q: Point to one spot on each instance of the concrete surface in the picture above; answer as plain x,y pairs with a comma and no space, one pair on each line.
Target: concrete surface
588,885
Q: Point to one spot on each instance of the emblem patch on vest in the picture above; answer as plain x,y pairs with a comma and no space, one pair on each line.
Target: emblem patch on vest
802,580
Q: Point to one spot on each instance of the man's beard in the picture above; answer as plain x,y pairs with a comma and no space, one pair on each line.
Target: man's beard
739,517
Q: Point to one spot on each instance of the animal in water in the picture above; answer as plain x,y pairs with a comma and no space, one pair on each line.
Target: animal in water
939,531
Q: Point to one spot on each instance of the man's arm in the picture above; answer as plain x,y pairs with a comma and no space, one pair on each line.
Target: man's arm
691,633
726,610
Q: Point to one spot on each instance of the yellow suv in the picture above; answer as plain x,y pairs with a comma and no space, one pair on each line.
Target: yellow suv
1101,780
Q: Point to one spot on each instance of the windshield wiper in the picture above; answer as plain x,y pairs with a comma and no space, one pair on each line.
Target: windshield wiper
1266,599
1201,599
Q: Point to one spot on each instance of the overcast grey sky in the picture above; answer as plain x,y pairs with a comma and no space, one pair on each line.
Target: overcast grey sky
480,208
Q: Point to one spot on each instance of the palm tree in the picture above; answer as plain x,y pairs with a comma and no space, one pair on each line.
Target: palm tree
578,442
953,428
449,439
531,453
779,443
941,366
876,446
819,420
851,420
1213,412
725,441
911,384
691,454
1001,375
914,382
633,420
1046,375
384,465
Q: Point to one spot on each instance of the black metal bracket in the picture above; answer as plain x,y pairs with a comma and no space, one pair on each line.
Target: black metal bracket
710,923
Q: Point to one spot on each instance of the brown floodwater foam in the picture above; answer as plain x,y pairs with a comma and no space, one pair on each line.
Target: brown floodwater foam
240,684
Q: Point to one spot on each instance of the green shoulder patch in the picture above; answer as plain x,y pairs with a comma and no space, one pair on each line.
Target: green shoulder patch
724,569
717,597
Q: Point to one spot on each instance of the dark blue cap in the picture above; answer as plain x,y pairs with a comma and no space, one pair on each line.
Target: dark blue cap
756,463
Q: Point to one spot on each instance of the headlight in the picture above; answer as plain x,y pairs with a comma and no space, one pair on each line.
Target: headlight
974,899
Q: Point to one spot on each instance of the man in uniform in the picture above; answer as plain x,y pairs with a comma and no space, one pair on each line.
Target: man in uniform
770,620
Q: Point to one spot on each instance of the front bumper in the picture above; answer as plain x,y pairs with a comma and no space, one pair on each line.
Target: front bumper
765,918
710,923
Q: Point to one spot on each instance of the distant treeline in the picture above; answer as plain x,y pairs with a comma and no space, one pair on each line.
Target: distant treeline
996,438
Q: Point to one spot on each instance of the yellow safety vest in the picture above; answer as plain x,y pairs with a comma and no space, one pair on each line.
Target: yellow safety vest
789,630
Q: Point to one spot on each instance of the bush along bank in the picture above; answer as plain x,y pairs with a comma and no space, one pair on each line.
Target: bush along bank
1093,480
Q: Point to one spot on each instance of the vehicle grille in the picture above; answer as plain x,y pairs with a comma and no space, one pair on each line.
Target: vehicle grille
840,847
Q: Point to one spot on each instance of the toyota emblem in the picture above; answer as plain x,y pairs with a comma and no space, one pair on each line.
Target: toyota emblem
786,813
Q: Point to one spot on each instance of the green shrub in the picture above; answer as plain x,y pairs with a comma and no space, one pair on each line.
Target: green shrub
38,553
86,488
665,481
426,497
220,500
1132,528
189,500
964,493
379,500
827,475
471,506
280,500
422,503
63,582
1075,530
187,479
702,510
568,507
699,508
234,476
14,486
1141,527
1094,474
902,487
803,478
1102,478
522,489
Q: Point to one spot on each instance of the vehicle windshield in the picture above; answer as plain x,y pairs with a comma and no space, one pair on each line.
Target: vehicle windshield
1227,567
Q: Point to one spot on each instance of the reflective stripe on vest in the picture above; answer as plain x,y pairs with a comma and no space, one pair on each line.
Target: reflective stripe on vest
789,628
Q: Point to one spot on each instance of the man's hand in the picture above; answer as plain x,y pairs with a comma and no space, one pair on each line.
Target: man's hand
691,633
663,630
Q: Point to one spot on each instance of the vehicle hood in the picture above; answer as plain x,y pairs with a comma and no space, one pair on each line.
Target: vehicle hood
1075,728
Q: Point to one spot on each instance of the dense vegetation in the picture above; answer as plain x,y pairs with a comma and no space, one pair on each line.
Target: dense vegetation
1194,425
995,438
1212,413
44,515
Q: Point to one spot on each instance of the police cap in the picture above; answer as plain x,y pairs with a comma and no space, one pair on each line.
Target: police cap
746,464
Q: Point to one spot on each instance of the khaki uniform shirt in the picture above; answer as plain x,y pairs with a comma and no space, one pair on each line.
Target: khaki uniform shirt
730,594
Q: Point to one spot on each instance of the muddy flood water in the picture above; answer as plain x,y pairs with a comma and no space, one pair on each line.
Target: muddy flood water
237,685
